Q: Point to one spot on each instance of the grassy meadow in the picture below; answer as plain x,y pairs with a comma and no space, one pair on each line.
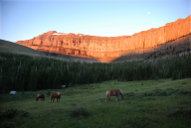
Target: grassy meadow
162,103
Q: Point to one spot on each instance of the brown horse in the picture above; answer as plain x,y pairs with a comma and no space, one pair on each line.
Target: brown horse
114,92
40,96
55,95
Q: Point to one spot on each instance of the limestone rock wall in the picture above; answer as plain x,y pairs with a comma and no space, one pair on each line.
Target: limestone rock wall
107,49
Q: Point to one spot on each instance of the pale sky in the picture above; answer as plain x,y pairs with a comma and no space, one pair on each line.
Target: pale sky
25,19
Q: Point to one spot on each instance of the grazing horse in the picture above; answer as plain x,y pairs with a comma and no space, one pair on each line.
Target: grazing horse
40,96
114,92
55,95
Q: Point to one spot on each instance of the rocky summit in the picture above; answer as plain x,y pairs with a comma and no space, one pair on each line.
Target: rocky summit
106,49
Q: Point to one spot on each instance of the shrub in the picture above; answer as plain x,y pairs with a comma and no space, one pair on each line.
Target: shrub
180,113
8,114
79,112
12,113
48,93
129,94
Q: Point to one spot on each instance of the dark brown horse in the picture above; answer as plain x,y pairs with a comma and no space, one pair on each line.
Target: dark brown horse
114,92
55,95
40,96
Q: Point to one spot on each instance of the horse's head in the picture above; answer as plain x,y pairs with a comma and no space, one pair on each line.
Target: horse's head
114,92
59,93
40,96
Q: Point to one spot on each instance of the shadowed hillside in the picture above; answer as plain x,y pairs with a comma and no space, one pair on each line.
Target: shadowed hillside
9,47
178,47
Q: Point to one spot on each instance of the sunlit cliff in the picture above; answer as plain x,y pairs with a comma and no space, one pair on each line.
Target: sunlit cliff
106,49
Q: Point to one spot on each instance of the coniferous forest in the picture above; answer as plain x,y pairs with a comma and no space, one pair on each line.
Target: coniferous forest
24,72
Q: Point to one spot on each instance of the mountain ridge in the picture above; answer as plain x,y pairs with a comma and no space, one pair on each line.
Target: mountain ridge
7,47
107,49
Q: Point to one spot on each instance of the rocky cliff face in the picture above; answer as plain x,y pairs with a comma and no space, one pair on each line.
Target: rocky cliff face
107,49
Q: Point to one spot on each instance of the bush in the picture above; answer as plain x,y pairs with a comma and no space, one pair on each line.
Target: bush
129,94
9,124
79,112
166,92
9,118
12,113
180,113
9,114
48,93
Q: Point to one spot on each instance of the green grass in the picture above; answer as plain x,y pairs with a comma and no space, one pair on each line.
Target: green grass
160,103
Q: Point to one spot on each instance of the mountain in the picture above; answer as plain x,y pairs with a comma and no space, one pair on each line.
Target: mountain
177,48
107,49
10,47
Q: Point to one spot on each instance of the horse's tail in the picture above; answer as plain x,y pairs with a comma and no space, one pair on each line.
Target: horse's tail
121,93
107,96
43,97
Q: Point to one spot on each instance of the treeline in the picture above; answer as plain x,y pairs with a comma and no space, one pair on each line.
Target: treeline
22,72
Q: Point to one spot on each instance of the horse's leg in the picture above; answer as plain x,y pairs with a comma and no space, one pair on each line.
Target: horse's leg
117,97
107,98
121,97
